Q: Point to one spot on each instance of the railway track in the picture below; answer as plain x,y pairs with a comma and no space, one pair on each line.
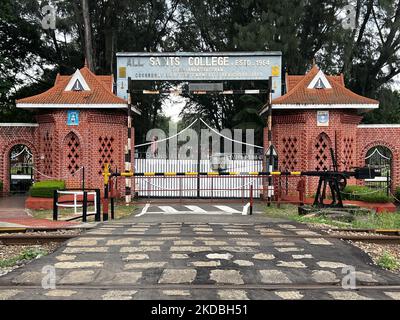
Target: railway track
32,239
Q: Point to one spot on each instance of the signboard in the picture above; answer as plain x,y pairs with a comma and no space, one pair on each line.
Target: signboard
322,118
73,117
190,66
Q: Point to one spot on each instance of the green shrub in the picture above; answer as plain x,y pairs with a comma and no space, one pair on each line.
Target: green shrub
362,193
45,189
1,185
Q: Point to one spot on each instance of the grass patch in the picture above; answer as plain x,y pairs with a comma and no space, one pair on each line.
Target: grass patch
362,193
290,212
45,189
387,261
26,255
378,221
364,221
121,211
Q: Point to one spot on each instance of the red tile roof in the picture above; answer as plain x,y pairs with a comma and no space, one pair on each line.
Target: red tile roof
298,92
100,91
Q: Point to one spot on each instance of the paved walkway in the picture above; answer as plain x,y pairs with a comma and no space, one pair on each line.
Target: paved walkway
194,256
12,207
14,215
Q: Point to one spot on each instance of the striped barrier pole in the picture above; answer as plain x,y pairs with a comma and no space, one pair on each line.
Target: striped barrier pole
128,154
251,199
172,174
270,192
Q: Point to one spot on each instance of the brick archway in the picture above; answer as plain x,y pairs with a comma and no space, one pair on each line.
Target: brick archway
394,168
5,151
377,143
72,158
320,151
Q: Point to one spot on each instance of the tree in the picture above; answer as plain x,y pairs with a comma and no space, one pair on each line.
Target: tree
88,35
389,108
371,54
368,55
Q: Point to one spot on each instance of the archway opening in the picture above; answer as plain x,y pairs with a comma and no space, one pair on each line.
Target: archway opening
322,156
379,158
21,169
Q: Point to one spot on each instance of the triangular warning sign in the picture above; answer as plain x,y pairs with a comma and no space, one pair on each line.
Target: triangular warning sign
77,83
77,86
319,84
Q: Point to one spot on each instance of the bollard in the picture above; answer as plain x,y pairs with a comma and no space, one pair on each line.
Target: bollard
251,199
55,206
98,206
301,188
112,208
112,196
105,203
84,207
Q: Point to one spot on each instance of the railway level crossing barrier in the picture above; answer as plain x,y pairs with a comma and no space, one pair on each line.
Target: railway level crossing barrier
335,180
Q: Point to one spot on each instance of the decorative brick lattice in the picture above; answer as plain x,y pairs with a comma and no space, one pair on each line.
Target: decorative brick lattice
105,151
48,154
347,155
289,152
73,148
322,155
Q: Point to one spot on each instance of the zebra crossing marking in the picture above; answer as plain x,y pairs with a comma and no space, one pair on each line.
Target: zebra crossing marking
192,209
196,209
227,209
168,209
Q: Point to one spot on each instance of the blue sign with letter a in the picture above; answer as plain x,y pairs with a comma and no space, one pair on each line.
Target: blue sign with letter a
73,118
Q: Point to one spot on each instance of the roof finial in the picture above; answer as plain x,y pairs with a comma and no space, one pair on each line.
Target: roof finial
313,62
86,63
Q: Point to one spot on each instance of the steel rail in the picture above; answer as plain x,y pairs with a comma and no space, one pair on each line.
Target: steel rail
40,239
34,239
300,286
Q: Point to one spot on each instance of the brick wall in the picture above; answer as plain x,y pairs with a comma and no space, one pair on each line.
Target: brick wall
384,135
304,146
60,150
9,137
100,137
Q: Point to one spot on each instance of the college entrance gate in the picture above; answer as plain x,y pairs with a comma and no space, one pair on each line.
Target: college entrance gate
192,68
192,186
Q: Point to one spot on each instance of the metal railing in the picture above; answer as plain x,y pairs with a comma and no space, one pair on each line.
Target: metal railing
76,203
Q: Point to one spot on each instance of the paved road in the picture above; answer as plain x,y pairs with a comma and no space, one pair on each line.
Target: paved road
175,255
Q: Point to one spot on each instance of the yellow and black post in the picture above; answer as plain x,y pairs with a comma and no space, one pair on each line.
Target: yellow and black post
106,175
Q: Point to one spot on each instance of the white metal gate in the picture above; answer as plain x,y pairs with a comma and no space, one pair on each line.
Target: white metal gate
186,186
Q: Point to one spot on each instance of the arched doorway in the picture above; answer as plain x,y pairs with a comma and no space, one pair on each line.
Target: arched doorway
379,158
21,169
322,155
72,160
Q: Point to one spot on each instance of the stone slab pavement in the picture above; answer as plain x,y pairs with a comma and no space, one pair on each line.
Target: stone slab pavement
195,256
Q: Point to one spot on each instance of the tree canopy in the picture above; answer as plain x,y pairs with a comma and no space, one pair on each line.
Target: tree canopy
304,30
